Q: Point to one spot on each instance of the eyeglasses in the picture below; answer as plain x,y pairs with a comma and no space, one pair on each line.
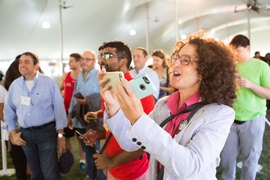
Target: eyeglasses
100,57
107,56
88,59
184,59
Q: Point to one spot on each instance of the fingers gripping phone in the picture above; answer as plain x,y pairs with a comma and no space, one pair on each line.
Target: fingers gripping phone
78,95
114,78
81,135
142,86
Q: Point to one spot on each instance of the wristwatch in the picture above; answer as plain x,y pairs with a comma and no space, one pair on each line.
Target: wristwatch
60,135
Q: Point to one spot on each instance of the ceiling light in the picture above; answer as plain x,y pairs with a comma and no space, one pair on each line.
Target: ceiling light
132,32
46,25
183,37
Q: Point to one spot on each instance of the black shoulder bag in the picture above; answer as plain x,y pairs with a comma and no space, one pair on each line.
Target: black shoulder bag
193,108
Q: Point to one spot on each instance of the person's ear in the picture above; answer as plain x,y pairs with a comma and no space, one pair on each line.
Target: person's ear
200,77
37,66
123,62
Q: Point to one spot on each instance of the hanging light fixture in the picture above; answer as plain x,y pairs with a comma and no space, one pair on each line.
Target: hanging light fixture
46,25
132,32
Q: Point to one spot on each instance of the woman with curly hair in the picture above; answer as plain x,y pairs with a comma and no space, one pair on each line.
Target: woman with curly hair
188,146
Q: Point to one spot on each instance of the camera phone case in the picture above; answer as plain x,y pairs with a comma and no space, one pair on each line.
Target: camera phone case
143,86
114,78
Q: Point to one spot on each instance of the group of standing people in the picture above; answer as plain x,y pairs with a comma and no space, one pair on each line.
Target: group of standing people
206,117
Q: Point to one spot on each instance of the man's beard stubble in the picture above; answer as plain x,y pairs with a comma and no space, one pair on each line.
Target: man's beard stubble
111,68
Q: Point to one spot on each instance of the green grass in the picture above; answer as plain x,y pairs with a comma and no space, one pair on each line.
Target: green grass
74,175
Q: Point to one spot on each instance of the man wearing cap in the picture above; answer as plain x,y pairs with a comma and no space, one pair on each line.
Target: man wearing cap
35,103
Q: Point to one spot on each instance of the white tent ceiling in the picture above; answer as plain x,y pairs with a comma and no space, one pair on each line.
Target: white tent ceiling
88,23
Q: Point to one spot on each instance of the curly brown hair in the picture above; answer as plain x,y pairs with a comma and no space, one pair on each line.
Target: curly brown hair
217,69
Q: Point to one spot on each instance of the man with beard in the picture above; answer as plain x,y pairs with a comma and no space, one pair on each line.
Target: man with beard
120,164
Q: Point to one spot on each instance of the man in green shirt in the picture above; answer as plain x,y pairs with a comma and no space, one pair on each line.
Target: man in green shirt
247,131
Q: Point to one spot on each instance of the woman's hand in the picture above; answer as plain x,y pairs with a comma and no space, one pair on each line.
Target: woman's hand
129,103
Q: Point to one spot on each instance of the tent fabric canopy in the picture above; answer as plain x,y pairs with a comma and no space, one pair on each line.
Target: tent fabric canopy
86,24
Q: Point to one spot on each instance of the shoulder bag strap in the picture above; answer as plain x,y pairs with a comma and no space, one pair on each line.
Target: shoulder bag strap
193,108
106,143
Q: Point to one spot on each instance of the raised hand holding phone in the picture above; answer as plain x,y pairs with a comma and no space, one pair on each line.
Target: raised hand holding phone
108,96
128,101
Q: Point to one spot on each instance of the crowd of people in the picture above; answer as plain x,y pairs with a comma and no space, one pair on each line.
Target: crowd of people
197,120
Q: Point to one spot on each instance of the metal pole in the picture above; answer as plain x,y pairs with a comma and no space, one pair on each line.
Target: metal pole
249,24
4,171
61,35
176,17
147,28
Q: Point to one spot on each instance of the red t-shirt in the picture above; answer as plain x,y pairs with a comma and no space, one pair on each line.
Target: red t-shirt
135,168
69,84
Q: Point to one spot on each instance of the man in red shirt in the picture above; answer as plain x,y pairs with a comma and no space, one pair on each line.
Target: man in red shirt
67,87
120,164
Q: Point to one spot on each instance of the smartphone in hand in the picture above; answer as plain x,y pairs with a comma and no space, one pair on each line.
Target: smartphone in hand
142,86
78,95
82,135
114,78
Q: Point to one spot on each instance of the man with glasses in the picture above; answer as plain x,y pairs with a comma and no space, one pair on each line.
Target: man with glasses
120,164
140,57
86,84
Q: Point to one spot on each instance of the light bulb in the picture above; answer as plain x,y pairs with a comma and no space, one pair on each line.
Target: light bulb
46,25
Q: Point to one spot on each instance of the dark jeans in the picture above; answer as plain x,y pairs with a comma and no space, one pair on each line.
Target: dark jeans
19,161
91,167
41,152
100,172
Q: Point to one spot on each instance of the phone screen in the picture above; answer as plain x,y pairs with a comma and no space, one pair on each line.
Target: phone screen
78,95
81,135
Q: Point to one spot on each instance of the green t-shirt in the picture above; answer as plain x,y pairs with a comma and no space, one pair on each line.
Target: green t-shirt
249,105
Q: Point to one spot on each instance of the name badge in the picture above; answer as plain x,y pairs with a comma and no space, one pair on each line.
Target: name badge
25,100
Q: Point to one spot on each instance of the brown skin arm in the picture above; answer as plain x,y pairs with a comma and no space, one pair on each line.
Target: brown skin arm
91,136
1,111
103,161
62,84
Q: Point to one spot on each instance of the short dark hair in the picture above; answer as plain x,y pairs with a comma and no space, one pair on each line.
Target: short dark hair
240,40
101,47
145,53
34,57
122,50
77,56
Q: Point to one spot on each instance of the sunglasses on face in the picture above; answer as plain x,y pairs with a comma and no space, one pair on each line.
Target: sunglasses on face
107,56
